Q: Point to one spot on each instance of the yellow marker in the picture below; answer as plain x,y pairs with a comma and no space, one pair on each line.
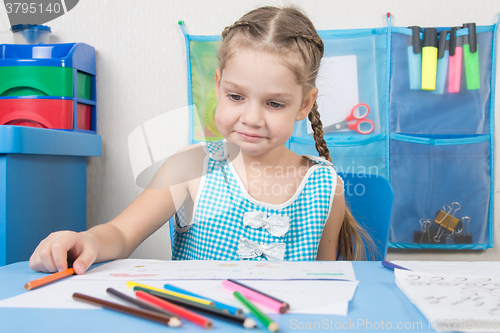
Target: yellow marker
132,284
429,59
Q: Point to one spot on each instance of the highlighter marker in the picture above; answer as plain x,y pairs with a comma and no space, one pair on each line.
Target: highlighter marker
455,62
442,62
415,59
471,58
429,59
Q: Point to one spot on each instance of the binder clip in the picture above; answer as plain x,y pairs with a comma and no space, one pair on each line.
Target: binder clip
419,237
460,238
446,221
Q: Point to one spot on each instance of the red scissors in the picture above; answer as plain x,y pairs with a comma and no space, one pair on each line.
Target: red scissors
362,125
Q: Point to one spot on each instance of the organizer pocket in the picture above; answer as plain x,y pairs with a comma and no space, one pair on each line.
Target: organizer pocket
203,63
417,111
426,175
352,71
356,156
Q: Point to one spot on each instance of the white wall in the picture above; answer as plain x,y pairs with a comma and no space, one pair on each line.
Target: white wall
141,73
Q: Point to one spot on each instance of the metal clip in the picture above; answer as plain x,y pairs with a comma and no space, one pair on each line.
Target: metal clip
446,220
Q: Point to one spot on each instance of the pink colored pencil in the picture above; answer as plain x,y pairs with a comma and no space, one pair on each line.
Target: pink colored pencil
254,296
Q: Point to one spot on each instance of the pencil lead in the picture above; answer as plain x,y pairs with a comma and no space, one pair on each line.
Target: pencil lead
174,322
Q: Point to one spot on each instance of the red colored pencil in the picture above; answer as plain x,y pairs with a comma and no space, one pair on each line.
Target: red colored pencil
180,311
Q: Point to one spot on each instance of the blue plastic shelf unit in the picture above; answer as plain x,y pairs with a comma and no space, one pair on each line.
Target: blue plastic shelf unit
43,186
79,56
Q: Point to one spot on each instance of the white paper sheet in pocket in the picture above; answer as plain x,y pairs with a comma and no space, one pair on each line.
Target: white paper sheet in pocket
337,83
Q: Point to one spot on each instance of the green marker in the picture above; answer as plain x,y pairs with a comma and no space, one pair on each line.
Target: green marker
268,322
471,58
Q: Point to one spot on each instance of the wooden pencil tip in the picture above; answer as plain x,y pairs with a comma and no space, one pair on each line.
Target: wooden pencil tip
249,323
209,325
27,286
273,327
174,322
286,305
282,309
239,312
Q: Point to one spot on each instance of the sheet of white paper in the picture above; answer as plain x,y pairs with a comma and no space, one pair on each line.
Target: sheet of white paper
337,83
454,302
141,270
489,268
314,297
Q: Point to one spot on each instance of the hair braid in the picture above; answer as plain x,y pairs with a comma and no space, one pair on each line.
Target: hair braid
238,24
317,127
312,40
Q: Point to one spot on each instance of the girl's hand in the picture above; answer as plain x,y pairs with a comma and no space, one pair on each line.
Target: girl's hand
51,255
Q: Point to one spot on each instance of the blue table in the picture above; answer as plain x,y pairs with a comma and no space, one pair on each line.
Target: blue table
378,305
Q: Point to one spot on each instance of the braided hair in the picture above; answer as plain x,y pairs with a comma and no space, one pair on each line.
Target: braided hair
287,32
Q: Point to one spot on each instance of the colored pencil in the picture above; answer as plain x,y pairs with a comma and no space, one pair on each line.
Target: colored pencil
390,265
285,304
140,313
139,303
175,299
48,279
132,284
229,308
180,311
254,296
206,309
268,322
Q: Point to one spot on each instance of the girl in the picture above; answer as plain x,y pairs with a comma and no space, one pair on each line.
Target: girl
250,196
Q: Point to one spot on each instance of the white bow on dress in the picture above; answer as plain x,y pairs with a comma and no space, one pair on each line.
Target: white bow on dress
250,249
276,225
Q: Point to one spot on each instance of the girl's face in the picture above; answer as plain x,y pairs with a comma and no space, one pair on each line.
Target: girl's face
259,101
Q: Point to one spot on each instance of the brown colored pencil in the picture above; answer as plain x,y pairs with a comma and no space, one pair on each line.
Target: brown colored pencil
48,279
140,313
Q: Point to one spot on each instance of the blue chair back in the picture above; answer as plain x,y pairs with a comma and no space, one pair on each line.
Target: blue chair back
369,198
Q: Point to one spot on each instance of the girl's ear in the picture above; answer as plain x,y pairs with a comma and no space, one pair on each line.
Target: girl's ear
218,76
308,103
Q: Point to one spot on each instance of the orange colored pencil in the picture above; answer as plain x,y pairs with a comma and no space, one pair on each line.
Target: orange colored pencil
48,279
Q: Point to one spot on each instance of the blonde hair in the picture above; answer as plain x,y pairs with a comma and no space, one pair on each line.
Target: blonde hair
287,32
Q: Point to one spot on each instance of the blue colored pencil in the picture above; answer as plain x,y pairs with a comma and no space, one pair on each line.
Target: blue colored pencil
229,308
390,265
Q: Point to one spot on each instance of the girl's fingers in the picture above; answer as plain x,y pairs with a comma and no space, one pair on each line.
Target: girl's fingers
60,248
36,260
46,260
51,254
84,252
84,259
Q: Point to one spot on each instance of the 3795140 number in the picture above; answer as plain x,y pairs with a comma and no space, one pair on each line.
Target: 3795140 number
33,8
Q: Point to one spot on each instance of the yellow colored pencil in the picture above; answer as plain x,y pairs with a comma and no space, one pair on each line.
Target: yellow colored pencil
132,284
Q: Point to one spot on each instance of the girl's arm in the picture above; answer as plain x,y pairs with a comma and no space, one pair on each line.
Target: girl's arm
327,249
121,236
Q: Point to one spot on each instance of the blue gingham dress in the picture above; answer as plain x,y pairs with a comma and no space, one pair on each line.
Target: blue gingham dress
217,227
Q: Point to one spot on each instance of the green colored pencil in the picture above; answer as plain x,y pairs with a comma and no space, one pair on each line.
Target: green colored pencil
268,322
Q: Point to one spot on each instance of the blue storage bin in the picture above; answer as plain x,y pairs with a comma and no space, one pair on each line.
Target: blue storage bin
43,183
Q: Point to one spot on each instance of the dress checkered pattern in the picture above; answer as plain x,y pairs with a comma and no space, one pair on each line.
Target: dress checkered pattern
218,213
